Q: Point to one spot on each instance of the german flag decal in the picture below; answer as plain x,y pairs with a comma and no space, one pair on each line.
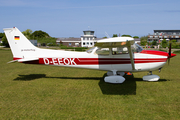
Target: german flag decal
16,37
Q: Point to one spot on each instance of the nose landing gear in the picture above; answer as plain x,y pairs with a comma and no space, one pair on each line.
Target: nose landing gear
151,77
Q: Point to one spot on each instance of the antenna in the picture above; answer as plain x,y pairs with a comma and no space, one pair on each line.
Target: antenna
106,34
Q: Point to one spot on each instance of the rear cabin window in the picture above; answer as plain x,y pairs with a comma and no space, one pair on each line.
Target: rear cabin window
119,50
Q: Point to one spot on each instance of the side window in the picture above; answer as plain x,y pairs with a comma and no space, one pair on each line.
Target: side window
102,51
119,50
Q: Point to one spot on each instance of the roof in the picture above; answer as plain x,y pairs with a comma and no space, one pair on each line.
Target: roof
166,30
137,39
68,39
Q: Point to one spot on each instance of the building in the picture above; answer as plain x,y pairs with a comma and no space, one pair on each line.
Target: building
159,35
137,40
70,42
86,40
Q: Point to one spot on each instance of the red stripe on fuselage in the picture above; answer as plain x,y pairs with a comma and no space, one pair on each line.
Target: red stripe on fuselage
96,61
14,58
153,52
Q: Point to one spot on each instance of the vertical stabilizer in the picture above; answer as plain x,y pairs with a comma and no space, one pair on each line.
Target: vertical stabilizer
20,46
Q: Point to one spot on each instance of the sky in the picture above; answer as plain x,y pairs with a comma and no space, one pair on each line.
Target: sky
69,18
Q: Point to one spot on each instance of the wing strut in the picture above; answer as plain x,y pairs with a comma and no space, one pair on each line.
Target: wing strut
130,54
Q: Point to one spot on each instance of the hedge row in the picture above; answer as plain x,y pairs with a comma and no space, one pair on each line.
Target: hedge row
77,48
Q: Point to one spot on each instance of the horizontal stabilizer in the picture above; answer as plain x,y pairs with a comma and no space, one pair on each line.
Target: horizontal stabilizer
23,60
13,61
28,59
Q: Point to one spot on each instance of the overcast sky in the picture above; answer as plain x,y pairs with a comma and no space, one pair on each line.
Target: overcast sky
68,18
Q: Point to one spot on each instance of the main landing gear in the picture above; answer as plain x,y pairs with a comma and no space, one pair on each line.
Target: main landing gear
151,77
114,77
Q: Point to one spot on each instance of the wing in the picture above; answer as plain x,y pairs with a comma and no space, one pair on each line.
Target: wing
117,42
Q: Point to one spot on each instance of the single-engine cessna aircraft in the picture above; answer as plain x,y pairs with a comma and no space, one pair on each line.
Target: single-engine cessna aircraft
115,55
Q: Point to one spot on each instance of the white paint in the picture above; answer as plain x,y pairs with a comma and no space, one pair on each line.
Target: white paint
151,78
46,61
25,51
114,79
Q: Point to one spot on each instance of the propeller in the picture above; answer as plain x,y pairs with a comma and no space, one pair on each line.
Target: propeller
169,53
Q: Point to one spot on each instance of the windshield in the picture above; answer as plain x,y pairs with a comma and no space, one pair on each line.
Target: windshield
90,50
136,48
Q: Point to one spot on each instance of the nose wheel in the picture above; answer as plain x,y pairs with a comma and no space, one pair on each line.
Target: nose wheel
151,77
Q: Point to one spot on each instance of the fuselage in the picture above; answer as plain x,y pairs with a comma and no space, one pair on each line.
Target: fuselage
146,60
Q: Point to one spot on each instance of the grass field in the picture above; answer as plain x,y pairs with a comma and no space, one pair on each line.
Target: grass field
51,93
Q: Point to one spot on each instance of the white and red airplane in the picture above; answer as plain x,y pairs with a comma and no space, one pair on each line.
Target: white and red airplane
115,55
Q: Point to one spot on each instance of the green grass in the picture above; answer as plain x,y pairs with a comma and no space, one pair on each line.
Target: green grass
177,52
46,92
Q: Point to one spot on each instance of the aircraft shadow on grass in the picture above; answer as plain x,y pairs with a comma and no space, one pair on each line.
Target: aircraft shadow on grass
127,88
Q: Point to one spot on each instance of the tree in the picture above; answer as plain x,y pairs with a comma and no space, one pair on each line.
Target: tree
5,42
126,36
115,35
40,34
154,42
27,33
2,35
135,37
144,40
174,44
164,43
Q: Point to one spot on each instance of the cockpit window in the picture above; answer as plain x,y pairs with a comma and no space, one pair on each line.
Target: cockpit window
124,50
116,50
136,48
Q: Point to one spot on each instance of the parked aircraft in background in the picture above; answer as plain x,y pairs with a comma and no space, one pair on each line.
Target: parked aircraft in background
115,55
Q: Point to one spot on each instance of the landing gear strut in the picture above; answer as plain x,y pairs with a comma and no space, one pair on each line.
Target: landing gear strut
150,73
